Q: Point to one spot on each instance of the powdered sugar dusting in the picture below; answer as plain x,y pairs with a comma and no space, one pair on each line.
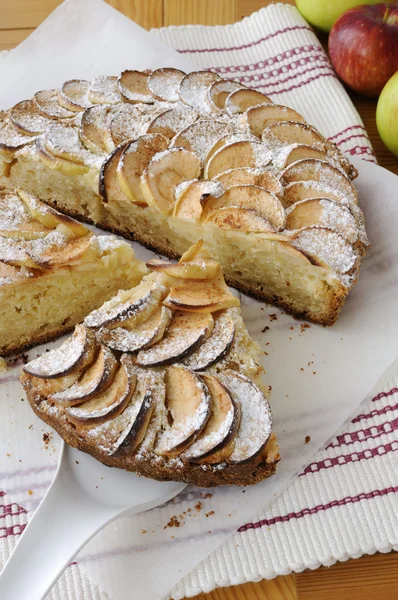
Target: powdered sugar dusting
173,120
193,90
184,428
216,346
327,245
164,83
63,359
201,136
103,90
256,419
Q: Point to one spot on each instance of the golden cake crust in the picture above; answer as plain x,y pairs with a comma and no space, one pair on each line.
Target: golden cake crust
195,474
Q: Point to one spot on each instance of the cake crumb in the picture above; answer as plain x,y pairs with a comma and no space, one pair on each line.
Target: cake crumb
208,495
301,369
174,522
30,492
307,439
304,326
143,531
291,328
3,365
209,514
314,372
266,328
46,438
198,506
273,317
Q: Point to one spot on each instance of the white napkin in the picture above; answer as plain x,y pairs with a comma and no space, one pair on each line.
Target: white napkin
91,38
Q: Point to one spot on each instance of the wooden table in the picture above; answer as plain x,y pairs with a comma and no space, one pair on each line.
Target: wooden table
363,579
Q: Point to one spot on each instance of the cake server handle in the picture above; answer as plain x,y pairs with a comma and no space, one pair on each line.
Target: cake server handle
63,523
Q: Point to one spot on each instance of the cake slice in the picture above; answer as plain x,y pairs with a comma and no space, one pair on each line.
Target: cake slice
163,380
168,158
53,271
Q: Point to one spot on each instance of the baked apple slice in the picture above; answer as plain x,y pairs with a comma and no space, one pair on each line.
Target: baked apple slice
260,117
144,335
256,419
185,333
134,159
173,120
79,249
216,442
303,190
227,140
11,140
217,345
76,352
288,132
165,171
201,136
129,307
237,154
240,100
326,248
287,155
107,403
266,204
73,95
121,435
94,129
322,212
104,90
199,268
130,121
310,169
250,176
48,105
239,219
27,119
55,163
108,182
64,142
15,252
50,218
133,87
95,380
219,90
190,197
204,296
164,84
193,89
188,402
16,222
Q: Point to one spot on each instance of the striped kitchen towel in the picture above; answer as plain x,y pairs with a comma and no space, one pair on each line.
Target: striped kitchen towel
275,51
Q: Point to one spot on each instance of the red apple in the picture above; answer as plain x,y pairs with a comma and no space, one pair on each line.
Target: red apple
363,47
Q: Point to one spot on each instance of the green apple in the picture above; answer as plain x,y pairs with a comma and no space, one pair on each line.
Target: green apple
387,114
324,13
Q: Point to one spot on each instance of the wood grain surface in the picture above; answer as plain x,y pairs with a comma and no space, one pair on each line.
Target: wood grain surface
370,577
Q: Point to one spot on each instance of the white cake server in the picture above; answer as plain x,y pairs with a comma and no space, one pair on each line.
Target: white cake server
84,496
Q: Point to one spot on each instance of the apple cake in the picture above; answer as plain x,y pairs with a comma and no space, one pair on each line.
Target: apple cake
168,158
163,380
53,271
